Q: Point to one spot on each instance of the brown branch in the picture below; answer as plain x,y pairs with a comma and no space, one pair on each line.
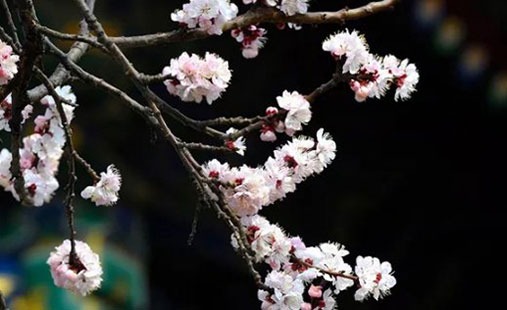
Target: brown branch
329,272
10,23
61,74
255,16
71,37
204,147
32,50
87,166
69,151
89,78
230,121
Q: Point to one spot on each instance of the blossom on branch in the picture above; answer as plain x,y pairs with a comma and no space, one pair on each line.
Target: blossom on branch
105,192
252,38
209,15
293,7
237,145
375,278
298,111
349,47
43,149
8,60
370,75
195,78
6,113
81,274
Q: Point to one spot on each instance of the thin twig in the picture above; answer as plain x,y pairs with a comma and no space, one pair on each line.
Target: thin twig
69,151
329,272
61,74
71,37
204,147
87,77
87,166
10,23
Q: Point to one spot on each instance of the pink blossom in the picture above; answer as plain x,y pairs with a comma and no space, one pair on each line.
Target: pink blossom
83,276
8,60
315,291
193,78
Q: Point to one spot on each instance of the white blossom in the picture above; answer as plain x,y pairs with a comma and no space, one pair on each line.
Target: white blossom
209,15
298,111
293,7
350,45
237,145
375,278
325,149
288,292
105,192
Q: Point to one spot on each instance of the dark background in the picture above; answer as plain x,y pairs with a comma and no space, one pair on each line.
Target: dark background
409,184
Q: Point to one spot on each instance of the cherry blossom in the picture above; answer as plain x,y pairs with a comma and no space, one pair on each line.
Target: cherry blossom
210,15
293,7
298,111
349,45
6,113
8,60
105,192
194,78
82,276
252,39
375,278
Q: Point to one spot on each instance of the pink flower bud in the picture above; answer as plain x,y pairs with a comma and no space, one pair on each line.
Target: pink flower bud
315,291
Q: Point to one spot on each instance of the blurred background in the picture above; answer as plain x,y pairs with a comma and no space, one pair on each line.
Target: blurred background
404,187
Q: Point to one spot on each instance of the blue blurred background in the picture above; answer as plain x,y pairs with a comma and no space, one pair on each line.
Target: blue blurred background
408,184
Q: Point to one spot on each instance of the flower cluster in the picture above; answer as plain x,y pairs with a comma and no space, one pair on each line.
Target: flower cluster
209,15
6,113
8,60
195,78
248,189
304,277
371,75
41,152
82,275
252,38
288,7
295,111
105,192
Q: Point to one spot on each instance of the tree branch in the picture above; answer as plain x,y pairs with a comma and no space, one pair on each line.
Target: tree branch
255,16
10,23
32,50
